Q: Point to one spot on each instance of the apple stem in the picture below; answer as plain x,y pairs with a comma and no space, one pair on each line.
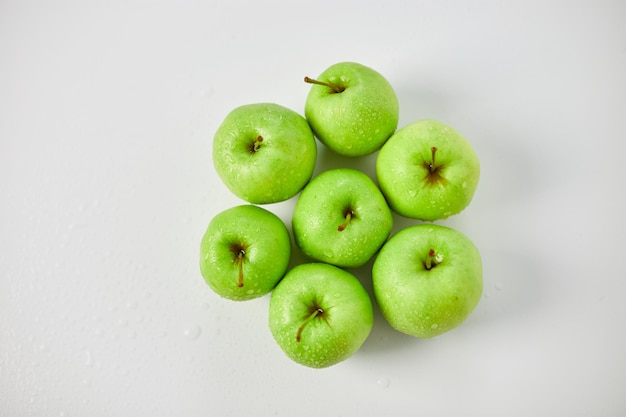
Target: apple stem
343,226
308,319
334,87
432,166
431,259
257,144
240,256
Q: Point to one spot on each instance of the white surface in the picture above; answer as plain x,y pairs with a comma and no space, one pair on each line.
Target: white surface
107,112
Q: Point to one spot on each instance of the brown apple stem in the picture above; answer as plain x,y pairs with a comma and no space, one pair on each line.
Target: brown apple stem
432,165
308,319
343,226
240,256
430,259
335,88
257,144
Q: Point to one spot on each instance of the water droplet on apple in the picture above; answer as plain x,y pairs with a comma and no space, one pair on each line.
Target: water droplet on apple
383,382
434,326
192,332
412,193
464,185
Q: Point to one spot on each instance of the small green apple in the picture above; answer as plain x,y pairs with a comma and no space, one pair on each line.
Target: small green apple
244,252
264,152
320,314
427,171
427,279
352,109
341,218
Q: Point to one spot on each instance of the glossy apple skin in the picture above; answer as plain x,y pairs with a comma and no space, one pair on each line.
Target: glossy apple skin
285,158
357,121
331,337
401,171
320,210
427,302
267,252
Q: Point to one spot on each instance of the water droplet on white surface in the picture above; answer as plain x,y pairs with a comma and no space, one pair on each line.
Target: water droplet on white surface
499,286
192,332
88,358
207,92
383,382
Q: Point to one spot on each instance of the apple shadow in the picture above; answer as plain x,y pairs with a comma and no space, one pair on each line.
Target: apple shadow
514,285
328,159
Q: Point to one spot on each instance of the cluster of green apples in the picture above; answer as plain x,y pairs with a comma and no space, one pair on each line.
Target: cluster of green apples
427,278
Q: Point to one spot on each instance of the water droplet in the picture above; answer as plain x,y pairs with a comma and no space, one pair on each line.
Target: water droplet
207,93
383,382
499,286
434,326
88,358
192,332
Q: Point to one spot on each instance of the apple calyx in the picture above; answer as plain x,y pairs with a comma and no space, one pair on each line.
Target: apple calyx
335,87
432,260
256,144
316,311
348,214
433,171
239,253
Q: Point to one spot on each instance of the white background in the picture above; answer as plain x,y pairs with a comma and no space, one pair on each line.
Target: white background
107,113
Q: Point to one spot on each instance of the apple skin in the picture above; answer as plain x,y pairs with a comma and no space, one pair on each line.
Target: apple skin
283,161
357,121
402,171
321,209
427,302
333,335
266,244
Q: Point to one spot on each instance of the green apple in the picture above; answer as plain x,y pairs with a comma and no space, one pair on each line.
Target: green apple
320,314
352,109
341,218
264,152
427,171
427,279
244,252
